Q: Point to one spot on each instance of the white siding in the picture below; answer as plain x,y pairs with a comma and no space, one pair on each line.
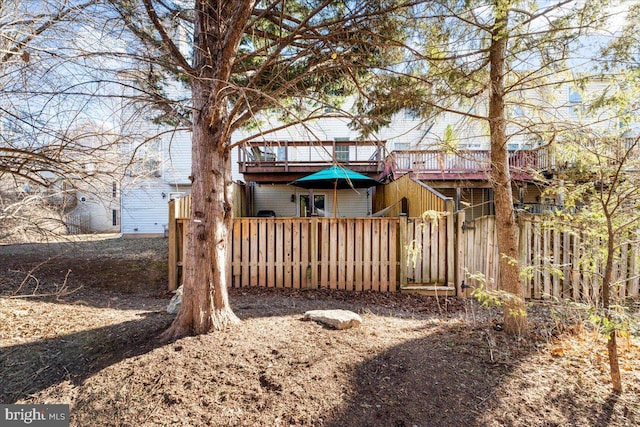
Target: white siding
350,203
177,154
144,209
277,197
99,211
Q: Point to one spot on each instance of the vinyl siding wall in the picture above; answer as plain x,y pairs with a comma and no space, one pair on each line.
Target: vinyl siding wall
277,197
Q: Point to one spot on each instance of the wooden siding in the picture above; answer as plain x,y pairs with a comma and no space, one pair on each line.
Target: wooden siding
420,197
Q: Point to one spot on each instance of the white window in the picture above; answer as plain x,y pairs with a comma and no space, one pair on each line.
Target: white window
342,153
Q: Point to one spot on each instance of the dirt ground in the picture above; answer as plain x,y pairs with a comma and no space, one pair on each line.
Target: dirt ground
79,325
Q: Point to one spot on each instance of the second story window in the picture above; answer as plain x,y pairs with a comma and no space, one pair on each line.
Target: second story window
342,153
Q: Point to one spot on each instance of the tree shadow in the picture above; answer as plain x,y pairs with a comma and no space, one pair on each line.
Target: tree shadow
608,408
443,379
453,377
32,367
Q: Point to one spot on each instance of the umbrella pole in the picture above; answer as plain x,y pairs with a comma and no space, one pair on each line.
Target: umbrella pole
335,199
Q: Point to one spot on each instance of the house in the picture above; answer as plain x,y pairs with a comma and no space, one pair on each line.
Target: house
449,154
96,186
158,172
77,192
408,146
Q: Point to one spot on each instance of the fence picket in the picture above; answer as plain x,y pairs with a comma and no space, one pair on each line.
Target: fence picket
350,260
323,244
384,256
236,256
296,254
566,259
622,270
287,244
279,252
364,254
359,257
366,257
375,256
575,272
333,254
244,231
634,286
253,251
393,254
442,253
537,234
557,255
271,253
262,253
341,231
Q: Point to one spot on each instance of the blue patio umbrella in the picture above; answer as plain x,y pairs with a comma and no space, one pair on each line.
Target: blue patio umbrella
335,178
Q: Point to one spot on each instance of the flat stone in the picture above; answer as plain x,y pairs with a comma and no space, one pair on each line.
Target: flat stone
336,319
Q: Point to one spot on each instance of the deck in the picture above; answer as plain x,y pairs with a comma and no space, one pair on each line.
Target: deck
467,164
284,161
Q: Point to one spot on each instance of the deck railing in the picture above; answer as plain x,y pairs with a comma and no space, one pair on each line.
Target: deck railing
467,161
293,156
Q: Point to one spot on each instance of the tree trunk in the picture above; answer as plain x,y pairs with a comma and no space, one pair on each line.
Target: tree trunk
218,29
612,344
205,303
515,316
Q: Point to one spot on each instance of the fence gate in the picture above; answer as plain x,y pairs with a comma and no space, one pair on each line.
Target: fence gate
428,257
477,252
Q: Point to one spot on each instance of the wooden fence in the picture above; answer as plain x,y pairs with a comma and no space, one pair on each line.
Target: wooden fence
391,254
336,253
559,260
78,223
